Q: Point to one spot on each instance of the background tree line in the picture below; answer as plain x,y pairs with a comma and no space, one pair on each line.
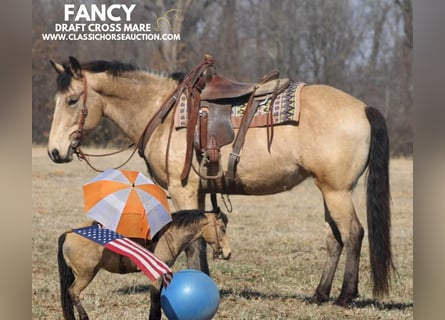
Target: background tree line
362,47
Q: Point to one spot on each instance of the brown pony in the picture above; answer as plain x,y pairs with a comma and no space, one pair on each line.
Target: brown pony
80,259
337,138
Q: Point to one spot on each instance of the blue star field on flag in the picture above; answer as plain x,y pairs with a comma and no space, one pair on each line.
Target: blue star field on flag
99,235
144,259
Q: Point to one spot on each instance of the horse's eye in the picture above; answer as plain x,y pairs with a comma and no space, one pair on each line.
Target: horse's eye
72,100
223,229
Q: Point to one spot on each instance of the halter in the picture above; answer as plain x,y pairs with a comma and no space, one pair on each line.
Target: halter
219,250
79,134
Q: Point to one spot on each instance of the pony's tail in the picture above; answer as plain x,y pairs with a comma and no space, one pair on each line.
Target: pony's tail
378,204
66,278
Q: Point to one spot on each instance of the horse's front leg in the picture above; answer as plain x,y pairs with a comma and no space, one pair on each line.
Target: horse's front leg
196,252
155,301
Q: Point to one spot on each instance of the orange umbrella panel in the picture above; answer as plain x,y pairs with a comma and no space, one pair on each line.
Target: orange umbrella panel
127,202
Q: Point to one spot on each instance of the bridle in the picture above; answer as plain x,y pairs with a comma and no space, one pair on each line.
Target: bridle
193,80
79,134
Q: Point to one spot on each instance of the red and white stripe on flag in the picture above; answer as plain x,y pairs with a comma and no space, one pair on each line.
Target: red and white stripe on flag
151,265
148,262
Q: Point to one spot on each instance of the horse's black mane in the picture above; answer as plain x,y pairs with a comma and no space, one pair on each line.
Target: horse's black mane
113,67
184,217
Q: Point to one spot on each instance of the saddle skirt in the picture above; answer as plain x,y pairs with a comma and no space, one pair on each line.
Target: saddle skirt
285,109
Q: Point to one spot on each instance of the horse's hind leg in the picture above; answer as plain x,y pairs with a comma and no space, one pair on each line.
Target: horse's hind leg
334,247
155,301
347,231
81,282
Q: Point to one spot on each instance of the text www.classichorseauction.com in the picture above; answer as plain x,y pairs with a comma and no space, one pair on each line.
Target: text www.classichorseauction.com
88,22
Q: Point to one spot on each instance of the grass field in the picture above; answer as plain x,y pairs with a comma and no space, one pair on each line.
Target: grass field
277,245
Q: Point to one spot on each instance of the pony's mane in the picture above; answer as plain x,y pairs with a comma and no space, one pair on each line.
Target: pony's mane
183,218
113,67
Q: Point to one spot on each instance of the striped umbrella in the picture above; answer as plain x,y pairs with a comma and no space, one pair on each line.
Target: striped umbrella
127,202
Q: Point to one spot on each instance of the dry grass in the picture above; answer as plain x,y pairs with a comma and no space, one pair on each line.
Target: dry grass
277,244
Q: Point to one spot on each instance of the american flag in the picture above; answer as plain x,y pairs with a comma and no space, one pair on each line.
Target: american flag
144,259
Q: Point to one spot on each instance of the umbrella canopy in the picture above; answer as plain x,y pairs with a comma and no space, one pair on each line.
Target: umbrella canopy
127,202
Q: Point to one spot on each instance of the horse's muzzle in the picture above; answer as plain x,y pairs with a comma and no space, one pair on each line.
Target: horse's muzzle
55,156
223,254
226,256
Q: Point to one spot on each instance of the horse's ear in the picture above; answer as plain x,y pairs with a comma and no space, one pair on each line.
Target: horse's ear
58,67
75,68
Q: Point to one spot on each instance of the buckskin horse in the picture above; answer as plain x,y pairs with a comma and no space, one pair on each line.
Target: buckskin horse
335,140
80,259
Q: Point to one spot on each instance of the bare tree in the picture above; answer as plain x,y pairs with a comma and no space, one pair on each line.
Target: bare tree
329,40
381,11
407,8
364,48
169,20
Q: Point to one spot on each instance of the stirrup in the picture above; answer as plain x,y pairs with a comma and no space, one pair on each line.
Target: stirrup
205,160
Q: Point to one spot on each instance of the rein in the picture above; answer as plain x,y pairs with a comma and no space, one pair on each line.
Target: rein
84,156
79,134
192,85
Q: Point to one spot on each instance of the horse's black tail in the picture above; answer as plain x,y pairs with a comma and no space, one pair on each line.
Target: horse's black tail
66,277
378,204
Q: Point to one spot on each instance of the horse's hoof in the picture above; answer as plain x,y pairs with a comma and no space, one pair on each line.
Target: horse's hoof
343,302
318,298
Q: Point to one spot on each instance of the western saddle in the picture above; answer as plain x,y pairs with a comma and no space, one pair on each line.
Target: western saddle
210,98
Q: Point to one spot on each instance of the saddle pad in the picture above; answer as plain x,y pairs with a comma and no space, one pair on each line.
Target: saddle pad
286,108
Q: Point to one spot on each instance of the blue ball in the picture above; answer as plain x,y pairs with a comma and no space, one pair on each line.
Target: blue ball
191,295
